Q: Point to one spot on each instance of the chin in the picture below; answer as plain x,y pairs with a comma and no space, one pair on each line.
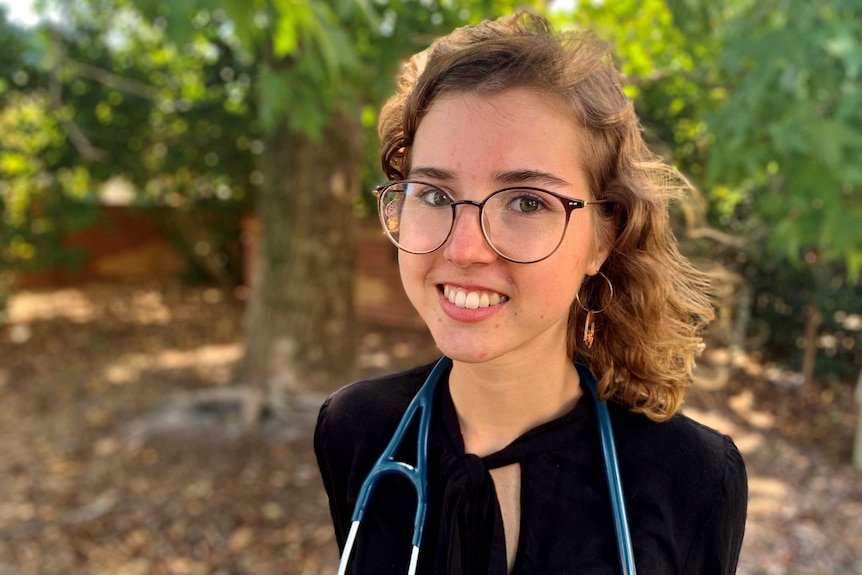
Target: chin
463,351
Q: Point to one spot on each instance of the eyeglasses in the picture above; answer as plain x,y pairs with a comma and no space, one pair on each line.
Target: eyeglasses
521,224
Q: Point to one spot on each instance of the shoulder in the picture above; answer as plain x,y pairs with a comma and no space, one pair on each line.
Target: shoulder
353,428
688,478
371,406
687,482
679,451
691,466
679,440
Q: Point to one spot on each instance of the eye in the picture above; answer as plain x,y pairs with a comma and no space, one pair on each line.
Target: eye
527,203
434,197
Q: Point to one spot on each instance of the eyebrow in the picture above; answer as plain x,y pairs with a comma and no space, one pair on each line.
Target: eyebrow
508,178
516,177
432,173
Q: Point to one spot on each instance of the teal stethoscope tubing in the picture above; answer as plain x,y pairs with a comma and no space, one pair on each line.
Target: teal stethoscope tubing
612,473
417,475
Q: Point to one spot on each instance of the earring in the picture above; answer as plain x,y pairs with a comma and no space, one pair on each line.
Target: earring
590,320
589,329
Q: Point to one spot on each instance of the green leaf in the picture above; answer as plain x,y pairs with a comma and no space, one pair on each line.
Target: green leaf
272,90
853,261
285,39
830,141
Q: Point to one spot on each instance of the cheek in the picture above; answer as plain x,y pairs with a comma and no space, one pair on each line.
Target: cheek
565,275
412,270
555,289
404,268
587,248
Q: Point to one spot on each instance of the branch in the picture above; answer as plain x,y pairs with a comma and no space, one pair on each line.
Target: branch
693,231
720,237
112,80
55,94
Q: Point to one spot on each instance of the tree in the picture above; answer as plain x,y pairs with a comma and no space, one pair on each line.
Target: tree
116,99
38,186
795,108
17,52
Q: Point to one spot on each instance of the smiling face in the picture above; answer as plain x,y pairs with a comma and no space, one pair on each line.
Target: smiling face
479,306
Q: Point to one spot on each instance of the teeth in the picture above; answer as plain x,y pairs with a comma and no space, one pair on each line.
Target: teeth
460,298
472,300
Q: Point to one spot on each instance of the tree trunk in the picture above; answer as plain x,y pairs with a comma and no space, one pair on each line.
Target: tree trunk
812,330
857,449
7,283
299,324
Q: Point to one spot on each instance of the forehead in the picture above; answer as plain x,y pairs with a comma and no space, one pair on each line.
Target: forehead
477,136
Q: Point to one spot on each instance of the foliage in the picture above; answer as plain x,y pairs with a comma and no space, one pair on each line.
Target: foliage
168,115
782,297
178,104
314,56
791,126
117,98
38,189
791,136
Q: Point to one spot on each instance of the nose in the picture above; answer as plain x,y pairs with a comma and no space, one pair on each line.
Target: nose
467,244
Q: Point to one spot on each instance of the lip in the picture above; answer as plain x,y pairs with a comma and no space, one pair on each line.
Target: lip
466,315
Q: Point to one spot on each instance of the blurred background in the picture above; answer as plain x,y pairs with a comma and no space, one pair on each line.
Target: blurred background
190,262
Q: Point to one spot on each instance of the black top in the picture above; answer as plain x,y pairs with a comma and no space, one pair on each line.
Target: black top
685,489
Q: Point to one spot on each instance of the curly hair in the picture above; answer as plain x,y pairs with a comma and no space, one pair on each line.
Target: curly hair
653,305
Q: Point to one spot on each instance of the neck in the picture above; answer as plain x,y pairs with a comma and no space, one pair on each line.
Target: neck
496,402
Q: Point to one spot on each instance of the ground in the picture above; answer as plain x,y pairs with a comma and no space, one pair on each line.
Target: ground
109,468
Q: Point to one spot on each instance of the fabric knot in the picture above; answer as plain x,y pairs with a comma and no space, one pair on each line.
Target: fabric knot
468,518
475,472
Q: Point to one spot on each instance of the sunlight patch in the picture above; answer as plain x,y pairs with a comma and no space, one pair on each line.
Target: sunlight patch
768,496
211,362
72,304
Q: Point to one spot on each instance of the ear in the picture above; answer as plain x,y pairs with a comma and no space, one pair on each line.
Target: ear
598,260
604,239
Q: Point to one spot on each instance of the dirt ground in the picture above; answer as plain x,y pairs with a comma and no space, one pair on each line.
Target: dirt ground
106,470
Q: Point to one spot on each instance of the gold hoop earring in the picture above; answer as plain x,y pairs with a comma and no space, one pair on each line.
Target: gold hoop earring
589,321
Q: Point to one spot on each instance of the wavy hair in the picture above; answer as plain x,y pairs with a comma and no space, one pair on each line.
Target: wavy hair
655,303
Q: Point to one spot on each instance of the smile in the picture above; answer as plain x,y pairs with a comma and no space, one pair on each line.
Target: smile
472,299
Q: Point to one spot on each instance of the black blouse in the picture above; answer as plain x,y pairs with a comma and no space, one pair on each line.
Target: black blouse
685,489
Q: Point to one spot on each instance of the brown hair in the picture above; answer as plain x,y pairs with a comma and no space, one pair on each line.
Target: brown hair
648,331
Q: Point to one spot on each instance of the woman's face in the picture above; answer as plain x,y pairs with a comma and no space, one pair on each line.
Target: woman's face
474,145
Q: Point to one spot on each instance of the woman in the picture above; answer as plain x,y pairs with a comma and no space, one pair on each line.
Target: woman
558,250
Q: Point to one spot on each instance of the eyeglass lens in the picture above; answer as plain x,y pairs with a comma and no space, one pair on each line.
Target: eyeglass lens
523,225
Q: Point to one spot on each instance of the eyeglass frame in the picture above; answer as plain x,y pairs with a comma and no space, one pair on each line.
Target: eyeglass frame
569,205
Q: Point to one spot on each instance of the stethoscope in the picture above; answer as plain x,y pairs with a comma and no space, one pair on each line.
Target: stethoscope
417,474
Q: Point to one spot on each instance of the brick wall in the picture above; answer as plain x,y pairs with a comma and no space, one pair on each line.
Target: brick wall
380,298
124,244
134,244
